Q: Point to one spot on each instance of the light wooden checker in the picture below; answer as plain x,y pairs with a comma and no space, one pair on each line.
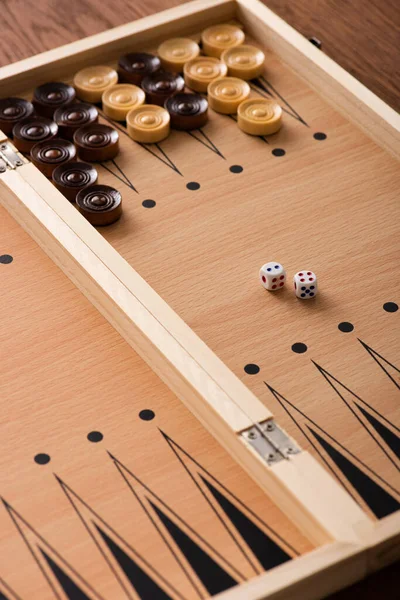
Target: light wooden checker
329,205
65,373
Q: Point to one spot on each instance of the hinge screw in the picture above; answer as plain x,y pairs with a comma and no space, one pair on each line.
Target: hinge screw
270,427
19,163
290,450
2,169
4,146
252,435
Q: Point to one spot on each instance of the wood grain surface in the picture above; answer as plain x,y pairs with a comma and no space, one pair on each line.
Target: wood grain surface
362,41
362,38
57,346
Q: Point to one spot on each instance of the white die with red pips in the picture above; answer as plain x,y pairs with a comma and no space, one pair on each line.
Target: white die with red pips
272,276
305,285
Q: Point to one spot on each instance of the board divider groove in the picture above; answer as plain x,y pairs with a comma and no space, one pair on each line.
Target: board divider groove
310,497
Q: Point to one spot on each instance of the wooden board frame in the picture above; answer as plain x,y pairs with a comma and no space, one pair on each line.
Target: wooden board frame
351,544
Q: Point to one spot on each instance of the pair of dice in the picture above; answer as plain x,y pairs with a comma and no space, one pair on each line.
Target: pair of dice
273,277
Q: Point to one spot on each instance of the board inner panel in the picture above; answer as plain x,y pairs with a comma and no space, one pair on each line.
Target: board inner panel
203,210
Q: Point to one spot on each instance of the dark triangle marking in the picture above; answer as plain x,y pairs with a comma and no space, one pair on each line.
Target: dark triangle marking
328,377
282,401
167,161
267,551
213,577
375,356
12,595
121,468
379,501
391,439
205,141
155,523
13,515
260,137
144,585
69,493
123,178
173,445
72,591
261,85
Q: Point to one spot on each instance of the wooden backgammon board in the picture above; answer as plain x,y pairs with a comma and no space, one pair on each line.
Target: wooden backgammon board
170,429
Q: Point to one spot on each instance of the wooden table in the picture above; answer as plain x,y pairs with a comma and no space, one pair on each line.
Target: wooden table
361,39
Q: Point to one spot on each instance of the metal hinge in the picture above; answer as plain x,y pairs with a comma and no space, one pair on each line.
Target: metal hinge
9,159
270,441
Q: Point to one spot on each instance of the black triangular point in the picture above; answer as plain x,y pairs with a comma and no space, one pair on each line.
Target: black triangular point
264,87
159,153
350,403
236,513
144,585
200,136
102,533
379,501
267,551
214,578
6,593
50,562
294,410
391,439
70,588
114,169
383,363
154,149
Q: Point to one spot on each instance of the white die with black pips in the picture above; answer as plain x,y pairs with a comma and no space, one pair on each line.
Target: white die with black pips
305,284
272,276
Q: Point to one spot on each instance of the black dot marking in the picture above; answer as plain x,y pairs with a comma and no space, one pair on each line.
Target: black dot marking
6,259
95,436
149,203
42,459
320,136
236,169
299,348
391,307
278,152
147,415
252,369
193,185
346,327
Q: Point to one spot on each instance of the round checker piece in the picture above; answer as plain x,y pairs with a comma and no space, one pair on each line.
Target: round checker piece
119,99
96,142
100,204
259,116
226,93
133,67
174,53
90,83
50,96
246,62
29,132
218,38
187,111
161,85
13,110
70,118
48,155
200,71
148,124
72,177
